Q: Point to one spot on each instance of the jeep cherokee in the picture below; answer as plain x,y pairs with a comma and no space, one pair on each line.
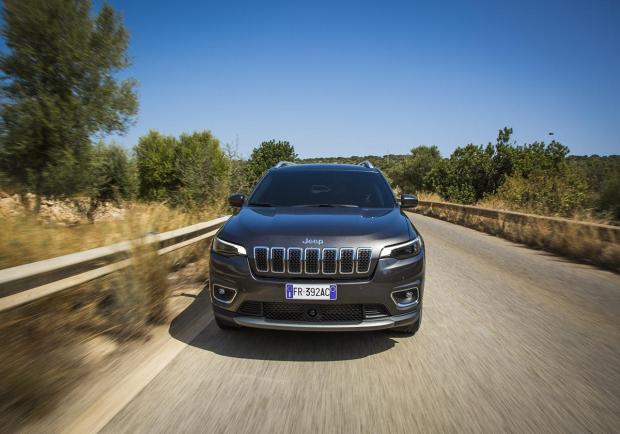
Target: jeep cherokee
322,247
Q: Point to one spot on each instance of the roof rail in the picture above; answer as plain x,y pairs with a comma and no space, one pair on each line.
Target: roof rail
366,164
283,164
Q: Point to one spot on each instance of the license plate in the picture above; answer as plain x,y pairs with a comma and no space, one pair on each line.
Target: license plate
302,291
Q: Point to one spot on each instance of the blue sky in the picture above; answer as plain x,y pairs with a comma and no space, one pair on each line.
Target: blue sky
356,78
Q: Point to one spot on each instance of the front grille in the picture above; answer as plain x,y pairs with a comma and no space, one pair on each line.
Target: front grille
323,312
312,260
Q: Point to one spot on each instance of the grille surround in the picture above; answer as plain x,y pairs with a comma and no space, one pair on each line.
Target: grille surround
314,261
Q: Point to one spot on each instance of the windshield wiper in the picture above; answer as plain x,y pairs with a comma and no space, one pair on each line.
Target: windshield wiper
265,204
328,205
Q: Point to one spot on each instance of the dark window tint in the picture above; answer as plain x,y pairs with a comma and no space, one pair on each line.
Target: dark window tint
323,188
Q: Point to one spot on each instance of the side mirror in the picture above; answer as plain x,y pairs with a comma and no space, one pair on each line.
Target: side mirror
236,200
408,201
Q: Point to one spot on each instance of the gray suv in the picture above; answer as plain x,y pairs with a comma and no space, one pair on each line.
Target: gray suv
319,247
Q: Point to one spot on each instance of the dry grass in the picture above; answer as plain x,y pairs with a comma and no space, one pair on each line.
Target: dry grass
23,239
581,215
594,244
44,344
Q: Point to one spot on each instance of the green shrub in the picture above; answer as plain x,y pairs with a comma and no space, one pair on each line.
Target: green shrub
201,169
113,174
266,156
411,173
609,199
545,192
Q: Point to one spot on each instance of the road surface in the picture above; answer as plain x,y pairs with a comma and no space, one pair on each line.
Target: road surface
513,340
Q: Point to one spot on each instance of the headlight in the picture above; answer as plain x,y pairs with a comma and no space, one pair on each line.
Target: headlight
228,249
403,250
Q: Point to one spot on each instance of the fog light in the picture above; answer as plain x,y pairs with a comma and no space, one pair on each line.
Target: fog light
223,294
406,297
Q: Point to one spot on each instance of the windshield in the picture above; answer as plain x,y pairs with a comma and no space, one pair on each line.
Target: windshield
323,188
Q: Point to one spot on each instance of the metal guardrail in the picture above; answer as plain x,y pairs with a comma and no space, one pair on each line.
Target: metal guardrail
606,233
29,282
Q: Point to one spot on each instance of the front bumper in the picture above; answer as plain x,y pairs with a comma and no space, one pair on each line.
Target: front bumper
390,275
365,325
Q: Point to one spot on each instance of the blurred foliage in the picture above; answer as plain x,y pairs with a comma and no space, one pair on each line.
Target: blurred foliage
113,175
603,176
201,169
59,89
189,171
155,162
238,179
267,155
560,192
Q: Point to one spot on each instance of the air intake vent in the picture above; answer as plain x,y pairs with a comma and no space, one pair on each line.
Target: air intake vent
375,311
294,260
347,257
261,256
312,261
254,308
277,259
363,260
313,313
329,261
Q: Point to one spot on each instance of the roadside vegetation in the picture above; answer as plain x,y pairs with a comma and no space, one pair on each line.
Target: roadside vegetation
539,178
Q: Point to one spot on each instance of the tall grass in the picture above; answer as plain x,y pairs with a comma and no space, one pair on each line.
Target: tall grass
24,239
44,344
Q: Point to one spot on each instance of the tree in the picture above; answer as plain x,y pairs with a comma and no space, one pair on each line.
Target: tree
201,168
155,162
267,155
411,174
113,174
466,176
238,180
59,90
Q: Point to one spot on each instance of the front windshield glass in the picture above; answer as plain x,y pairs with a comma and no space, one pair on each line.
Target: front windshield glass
326,188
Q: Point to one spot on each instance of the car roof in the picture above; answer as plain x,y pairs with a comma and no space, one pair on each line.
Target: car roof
323,167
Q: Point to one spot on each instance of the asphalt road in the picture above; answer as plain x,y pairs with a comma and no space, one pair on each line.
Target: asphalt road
513,340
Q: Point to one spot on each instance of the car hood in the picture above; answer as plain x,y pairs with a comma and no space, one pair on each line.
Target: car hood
317,227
